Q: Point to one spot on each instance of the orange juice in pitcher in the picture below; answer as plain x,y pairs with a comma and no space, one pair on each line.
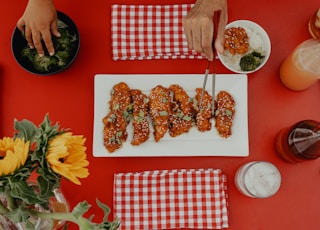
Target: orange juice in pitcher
301,68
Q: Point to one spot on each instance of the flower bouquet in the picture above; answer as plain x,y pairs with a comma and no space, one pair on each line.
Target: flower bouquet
51,154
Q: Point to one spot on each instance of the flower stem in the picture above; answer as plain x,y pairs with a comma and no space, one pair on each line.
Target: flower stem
3,209
10,201
82,222
56,215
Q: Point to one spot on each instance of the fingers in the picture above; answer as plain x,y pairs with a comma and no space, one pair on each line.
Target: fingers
47,39
34,38
187,32
192,30
198,25
206,40
219,42
199,35
21,24
54,29
28,37
26,31
196,39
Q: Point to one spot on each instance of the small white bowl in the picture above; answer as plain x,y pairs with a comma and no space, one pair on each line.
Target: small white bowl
263,43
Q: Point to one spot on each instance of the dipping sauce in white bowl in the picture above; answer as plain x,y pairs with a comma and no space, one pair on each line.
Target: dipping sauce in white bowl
258,179
258,42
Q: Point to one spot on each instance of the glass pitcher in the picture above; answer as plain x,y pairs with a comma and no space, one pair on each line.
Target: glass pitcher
314,24
301,68
300,142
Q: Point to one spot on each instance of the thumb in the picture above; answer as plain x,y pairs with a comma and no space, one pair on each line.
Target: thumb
209,53
219,45
219,42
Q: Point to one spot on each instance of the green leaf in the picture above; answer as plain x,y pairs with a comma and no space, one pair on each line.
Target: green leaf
46,187
105,208
18,215
26,130
21,190
29,225
47,128
80,209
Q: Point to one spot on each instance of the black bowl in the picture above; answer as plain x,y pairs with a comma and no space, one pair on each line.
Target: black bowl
19,43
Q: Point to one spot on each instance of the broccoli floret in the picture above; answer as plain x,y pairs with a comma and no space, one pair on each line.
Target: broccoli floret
45,63
251,61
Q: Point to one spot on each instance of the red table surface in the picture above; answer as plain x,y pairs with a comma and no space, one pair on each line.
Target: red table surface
68,97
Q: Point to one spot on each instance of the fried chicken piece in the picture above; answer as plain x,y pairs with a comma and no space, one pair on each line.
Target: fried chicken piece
236,40
119,116
114,132
120,102
182,111
159,110
140,124
204,114
224,114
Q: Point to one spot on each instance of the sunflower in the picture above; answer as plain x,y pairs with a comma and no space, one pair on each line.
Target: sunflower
67,157
13,154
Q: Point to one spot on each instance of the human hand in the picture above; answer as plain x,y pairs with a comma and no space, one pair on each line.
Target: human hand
198,26
38,22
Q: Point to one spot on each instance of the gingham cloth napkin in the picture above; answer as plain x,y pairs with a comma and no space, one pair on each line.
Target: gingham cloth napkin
149,32
171,199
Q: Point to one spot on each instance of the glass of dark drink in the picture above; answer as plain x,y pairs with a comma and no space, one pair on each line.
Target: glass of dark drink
299,142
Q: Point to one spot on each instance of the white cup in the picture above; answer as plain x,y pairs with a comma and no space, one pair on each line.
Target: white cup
258,179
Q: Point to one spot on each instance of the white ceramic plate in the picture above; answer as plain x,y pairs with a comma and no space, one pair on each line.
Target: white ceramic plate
251,28
194,143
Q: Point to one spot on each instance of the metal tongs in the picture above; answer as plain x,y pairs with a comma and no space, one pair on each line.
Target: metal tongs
205,83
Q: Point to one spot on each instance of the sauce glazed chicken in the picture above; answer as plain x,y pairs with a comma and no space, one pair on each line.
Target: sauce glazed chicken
165,110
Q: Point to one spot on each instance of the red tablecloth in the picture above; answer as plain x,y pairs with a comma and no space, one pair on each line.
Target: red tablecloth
68,97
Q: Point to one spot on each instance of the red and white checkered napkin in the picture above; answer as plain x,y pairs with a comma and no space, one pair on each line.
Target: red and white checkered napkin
171,199
149,32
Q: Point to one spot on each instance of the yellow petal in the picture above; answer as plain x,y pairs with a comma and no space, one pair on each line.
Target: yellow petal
67,156
14,154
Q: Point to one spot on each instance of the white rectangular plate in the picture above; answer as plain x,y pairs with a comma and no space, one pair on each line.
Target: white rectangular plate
193,143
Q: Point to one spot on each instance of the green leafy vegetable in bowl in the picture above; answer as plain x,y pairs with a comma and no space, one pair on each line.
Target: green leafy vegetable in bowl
64,48
251,61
